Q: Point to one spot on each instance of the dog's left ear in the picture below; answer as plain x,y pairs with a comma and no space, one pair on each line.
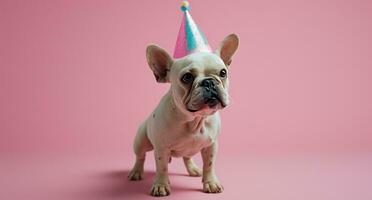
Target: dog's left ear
159,62
227,48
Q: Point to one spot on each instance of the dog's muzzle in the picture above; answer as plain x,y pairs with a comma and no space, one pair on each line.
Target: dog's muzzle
210,94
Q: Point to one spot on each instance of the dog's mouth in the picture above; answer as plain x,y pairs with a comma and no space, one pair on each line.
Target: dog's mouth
191,110
213,103
207,97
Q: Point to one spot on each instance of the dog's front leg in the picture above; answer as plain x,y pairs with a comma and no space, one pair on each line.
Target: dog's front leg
161,185
210,180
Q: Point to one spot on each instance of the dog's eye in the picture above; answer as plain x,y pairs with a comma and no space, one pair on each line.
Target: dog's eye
223,73
187,78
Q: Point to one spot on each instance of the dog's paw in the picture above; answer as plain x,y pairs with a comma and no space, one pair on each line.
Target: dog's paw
212,187
135,175
160,190
195,171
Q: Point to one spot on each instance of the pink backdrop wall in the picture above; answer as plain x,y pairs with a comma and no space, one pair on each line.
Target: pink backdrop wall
74,76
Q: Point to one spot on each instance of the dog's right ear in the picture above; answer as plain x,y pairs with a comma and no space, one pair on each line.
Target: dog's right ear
159,62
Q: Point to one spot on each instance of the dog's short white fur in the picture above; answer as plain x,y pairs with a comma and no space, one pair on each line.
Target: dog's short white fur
186,121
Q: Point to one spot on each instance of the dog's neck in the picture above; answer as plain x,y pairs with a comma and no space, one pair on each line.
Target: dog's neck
194,123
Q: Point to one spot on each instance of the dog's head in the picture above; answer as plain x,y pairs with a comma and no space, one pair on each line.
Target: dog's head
199,81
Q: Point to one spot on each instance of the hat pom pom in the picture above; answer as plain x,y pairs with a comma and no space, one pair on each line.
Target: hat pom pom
185,6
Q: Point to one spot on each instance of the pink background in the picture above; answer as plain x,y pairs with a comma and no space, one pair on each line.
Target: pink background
74,85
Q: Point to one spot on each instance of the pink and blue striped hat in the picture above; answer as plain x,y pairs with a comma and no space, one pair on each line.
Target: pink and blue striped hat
190,38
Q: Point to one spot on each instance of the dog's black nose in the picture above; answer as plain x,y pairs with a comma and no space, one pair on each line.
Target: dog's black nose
209,92
208,83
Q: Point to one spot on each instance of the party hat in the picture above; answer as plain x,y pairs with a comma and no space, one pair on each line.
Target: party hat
190,38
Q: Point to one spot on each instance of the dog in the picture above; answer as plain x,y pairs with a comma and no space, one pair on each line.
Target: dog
187,120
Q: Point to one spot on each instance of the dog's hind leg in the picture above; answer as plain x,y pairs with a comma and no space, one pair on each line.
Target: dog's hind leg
141,146
191,167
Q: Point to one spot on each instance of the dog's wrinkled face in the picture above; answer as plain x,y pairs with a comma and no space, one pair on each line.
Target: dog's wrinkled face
199,81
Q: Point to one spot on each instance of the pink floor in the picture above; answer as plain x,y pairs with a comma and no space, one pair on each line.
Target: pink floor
264,177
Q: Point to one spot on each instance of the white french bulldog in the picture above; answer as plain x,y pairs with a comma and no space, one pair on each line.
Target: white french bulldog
187,120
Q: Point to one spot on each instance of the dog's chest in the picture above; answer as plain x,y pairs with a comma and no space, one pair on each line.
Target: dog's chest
190,143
